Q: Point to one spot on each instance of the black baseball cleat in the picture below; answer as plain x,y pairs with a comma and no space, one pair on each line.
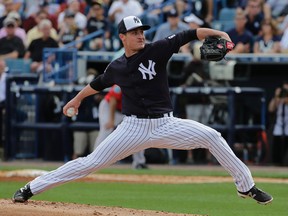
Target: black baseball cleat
260,196
23,194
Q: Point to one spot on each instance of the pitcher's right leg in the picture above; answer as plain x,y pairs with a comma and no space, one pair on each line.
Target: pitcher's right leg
122,142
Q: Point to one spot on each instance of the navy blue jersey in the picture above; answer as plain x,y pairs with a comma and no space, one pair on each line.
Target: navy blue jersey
245,37
143,76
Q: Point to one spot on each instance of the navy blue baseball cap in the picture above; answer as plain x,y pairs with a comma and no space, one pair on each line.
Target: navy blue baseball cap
130,23
172,13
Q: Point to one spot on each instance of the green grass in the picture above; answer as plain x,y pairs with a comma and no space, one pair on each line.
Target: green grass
194,172
217,199
213,199
168,172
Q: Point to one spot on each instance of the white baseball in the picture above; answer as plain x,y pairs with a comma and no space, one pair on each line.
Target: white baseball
71,112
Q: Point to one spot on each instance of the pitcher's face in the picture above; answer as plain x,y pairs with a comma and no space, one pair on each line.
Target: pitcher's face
133,40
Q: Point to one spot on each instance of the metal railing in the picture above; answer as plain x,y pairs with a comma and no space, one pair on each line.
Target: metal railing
15,125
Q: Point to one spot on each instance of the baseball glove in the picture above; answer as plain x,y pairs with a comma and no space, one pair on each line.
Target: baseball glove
215,48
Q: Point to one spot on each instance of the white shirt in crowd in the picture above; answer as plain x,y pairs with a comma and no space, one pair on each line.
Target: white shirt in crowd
281,121
129,8
3,86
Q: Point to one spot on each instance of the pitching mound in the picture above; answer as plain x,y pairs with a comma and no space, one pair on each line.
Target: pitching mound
44,208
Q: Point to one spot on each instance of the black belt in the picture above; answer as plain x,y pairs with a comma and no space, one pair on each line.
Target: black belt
153,116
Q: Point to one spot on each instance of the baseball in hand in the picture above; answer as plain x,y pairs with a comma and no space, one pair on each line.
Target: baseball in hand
71,112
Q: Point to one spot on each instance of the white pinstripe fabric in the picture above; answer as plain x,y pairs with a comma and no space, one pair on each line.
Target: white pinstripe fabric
133,135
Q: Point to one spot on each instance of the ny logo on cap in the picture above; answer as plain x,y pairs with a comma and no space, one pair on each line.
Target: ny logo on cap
136,20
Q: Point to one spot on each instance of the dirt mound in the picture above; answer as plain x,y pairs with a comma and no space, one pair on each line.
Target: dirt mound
44,208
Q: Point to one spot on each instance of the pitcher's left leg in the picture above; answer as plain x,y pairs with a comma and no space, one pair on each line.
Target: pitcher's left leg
186,134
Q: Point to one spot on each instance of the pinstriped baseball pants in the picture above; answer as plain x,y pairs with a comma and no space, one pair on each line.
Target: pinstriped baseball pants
134,134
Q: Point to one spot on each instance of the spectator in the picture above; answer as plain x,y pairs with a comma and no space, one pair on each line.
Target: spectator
30,21
197,107
2,9
30,8
35,32
18,5
97,21
284,41
182,7
105,5
203,9
36,47
19,32
8,7
265,7
154,14
255,16
53,10
242,38
279,105
151,14
172,26
194,72
64,4
278,8
284,24
194,22
117,11
83,141
3,75
155,7
110,116
269,41
122,8
79,18
68,30
29,17
11,46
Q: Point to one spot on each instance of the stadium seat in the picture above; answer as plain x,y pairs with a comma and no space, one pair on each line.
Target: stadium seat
226,18
227,14
227,25
17,66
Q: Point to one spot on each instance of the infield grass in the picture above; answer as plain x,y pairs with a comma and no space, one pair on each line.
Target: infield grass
172,171
213,199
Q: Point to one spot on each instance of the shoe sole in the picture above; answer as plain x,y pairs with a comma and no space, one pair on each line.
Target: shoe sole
19,201
262,203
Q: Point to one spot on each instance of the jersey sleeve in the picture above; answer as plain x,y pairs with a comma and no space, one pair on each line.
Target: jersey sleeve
104,80
175,41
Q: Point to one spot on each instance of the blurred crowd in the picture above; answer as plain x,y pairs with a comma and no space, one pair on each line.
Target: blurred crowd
26,27
255,26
